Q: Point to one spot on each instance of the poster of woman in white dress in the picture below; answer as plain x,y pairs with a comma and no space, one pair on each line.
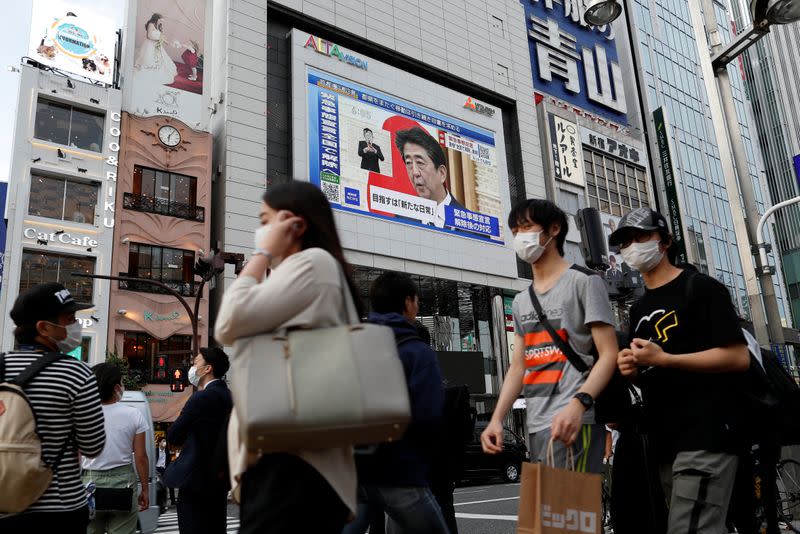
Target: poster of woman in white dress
169,58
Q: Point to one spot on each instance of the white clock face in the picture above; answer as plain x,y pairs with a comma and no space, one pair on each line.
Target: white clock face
169,135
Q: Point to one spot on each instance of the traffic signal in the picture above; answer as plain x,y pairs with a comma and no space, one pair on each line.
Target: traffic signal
161,368
177,380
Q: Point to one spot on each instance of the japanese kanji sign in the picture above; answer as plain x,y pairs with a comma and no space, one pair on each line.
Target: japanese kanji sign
573,61
609,145
565,143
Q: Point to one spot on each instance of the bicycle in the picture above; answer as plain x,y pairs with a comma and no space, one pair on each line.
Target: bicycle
788,494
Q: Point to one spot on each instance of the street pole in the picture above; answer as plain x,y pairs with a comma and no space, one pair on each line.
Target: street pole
774,327
191,314
762,244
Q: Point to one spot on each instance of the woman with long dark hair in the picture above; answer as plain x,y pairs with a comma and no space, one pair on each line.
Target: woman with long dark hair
302,491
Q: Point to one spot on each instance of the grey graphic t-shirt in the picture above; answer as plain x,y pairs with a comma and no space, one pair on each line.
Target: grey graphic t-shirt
578,299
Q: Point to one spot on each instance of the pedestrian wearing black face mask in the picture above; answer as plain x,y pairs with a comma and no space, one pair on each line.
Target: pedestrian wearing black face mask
64,397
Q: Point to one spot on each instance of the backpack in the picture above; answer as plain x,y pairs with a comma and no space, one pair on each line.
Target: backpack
22,466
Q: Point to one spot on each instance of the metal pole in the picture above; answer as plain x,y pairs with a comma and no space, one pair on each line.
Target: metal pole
762,244
774,327
189,312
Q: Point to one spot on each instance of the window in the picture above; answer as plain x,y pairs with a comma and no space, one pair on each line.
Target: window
165,193
58,198
171,266
142,350
63,124
40,267
620,187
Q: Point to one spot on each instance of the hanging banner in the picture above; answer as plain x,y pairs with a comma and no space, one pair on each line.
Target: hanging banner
377,155
673,207
797,168
169,59
68,36
567,151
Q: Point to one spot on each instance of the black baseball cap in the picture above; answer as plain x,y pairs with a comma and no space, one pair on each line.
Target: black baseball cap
643,219
44,301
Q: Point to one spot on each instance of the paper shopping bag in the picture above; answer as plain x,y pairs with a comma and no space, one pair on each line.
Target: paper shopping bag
559,501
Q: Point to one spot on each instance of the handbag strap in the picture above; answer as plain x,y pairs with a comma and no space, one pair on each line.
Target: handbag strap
576,361
350,311
550,456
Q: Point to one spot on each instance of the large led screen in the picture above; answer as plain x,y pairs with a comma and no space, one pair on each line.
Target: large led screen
381,156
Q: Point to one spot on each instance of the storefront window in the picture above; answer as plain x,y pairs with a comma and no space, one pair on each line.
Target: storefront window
66,200
171,266
40,267
63,124
142,352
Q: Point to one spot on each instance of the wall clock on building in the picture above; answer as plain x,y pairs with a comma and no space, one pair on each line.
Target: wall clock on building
169,136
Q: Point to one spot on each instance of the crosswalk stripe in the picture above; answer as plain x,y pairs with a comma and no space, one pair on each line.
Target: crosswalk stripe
168,524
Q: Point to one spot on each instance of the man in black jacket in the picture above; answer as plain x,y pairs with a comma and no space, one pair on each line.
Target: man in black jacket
395,478
202,501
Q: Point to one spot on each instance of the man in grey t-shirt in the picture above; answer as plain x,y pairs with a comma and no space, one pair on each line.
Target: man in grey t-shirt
559,398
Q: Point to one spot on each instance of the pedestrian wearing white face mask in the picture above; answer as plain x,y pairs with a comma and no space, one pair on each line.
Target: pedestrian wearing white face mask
199,429
114,473
688,355
64,397
559,398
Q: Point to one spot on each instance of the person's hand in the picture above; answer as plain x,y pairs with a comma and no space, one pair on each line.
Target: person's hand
647,353
492,438
144,499
627,363
285,230
567,423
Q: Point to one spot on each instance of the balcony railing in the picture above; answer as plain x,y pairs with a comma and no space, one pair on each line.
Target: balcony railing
185,289
161,206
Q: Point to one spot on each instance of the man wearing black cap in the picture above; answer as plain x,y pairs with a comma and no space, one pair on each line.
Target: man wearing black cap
202,499
65,400
688,355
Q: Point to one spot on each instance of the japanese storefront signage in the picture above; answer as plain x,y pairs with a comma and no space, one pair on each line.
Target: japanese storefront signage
327,48
152,316
62,237
797,168
111,174
567,151
611,146
573,61
665,157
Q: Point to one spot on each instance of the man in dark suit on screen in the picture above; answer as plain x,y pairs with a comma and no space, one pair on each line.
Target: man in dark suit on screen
370,153
200,429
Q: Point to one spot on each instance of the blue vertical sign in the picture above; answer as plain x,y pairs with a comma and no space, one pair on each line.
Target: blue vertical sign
573,61
330,180
797,168
3,228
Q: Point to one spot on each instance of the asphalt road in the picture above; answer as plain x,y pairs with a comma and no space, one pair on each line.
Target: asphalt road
489,509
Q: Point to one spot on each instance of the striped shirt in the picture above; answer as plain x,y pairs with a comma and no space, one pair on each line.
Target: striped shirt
66,401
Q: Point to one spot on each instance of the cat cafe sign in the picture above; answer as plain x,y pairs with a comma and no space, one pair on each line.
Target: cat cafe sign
60,237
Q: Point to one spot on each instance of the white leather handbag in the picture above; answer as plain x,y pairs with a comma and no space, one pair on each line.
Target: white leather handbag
320,388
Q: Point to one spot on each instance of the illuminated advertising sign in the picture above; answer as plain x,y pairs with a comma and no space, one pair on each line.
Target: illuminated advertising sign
72,39
381,156
169,63
573,61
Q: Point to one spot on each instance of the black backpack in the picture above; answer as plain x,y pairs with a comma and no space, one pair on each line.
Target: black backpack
772,400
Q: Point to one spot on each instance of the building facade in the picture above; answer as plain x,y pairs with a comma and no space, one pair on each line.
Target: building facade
771,72
163,195
681,103
338,72
61,206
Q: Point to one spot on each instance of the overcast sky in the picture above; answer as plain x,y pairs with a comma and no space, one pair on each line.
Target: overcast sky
13,45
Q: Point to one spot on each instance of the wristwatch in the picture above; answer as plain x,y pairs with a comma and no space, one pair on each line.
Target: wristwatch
585,399
262,252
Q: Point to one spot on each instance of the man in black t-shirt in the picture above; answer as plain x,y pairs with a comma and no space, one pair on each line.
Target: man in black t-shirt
688,356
